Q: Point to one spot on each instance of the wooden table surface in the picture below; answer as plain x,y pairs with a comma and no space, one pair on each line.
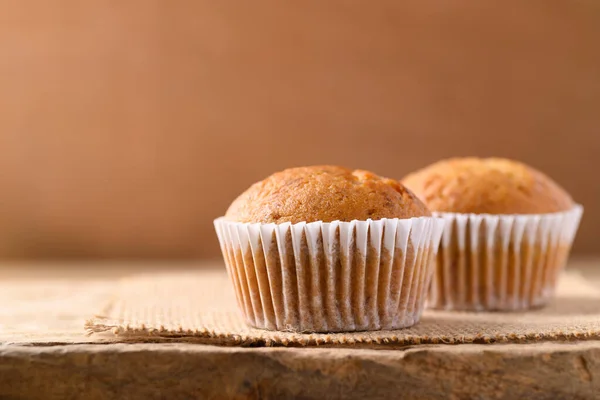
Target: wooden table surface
44,353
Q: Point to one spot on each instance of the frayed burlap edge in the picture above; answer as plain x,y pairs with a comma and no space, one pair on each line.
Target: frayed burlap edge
128,333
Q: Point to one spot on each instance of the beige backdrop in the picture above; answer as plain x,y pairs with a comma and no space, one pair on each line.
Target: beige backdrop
127,126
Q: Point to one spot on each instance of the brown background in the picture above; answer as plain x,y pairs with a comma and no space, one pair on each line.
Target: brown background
127,126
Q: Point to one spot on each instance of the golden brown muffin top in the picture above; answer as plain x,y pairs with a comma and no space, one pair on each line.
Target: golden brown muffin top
324,193
487,185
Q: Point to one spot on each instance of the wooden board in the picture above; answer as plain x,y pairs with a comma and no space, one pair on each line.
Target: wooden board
45,353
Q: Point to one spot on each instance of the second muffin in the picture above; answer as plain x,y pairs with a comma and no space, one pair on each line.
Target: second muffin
328,249
507,237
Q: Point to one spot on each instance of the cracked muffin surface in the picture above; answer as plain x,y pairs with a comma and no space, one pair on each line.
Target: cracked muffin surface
487,186
325,193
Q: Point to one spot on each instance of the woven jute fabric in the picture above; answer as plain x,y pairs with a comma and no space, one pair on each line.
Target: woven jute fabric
202,307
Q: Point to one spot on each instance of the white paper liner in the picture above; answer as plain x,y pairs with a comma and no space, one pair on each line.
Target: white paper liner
501,262
331,277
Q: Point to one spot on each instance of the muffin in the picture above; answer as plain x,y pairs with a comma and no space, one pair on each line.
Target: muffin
328,249
507,236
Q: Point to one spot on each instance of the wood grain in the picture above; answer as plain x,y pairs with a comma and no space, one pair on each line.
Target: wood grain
183,371
50,358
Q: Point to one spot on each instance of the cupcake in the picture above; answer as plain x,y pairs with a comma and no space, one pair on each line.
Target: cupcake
507,236
328,249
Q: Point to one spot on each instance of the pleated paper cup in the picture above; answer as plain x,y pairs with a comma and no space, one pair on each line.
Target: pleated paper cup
331,277
501,262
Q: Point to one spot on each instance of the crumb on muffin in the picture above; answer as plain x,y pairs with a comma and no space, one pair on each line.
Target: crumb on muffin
325,193
487,186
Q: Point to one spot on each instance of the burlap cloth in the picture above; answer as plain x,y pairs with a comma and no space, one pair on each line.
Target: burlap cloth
201,307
